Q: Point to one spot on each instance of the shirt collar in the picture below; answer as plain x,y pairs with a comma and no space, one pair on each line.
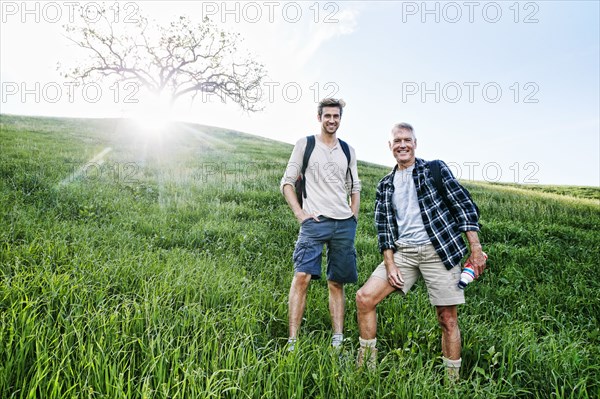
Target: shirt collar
419,165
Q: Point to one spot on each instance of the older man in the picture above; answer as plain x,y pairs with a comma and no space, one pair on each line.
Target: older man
419,233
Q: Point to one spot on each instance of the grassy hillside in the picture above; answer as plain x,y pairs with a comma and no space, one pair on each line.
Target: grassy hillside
162,269
592,193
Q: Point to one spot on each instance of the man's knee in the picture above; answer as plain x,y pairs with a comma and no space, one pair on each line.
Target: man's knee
447,318
364,301
301,280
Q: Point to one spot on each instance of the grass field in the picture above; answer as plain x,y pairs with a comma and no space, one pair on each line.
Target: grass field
571,191
162,269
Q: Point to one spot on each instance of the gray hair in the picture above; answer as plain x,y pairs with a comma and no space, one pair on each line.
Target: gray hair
404,126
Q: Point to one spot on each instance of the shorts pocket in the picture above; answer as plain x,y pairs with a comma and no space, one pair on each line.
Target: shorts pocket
299,252
408,250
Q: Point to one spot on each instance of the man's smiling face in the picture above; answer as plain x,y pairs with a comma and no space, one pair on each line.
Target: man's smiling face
330,120
403,144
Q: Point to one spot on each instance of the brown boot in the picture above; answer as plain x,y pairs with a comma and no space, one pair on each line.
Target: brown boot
368,354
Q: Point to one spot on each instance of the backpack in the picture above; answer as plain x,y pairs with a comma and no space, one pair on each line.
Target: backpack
300,184
436,173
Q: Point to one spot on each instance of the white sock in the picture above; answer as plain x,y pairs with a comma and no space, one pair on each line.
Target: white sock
454,364
337,339
452,368
367,343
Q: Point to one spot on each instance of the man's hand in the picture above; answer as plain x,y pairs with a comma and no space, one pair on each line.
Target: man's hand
477,259
302,215
393,273
290,196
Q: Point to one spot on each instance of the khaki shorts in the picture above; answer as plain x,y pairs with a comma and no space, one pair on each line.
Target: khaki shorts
413,261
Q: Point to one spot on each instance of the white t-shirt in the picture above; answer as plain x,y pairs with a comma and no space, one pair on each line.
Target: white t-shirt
411,229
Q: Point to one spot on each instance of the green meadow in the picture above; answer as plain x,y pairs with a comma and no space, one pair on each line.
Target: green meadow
158,266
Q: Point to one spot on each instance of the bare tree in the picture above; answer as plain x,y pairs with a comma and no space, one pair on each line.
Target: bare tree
181,59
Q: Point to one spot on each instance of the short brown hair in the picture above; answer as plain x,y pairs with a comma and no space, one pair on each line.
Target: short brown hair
331,102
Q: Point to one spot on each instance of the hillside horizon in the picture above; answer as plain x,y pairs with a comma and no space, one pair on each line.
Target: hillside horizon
578,191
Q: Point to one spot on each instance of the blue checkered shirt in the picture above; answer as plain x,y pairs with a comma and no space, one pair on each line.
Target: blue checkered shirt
444,224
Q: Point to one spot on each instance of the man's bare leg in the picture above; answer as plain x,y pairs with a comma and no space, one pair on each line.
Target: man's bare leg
297,302
451,345
337,305
367,298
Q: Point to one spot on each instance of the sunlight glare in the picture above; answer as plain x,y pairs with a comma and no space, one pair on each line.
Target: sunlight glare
152,115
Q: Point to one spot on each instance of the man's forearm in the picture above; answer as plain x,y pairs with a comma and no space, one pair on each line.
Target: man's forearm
289,193
473,239
477,257
388,257
355,203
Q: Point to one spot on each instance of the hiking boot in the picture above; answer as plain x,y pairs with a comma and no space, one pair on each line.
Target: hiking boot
368,355
452,375
452,369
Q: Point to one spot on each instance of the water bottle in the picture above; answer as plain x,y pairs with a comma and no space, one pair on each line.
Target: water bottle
468,274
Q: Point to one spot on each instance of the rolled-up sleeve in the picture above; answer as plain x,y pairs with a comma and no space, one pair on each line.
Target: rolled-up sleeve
384,219
463,208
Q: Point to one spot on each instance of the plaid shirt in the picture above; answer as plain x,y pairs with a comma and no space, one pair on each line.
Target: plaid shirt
444,225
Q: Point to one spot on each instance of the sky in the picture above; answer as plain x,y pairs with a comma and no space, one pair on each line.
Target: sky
501,91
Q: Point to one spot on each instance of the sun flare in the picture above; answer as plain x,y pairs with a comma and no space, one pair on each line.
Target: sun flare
152,115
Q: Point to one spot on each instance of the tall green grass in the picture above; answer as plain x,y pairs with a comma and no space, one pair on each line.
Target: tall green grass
164,273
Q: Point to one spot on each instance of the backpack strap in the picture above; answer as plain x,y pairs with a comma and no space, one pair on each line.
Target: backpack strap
346,150
310,146
436,173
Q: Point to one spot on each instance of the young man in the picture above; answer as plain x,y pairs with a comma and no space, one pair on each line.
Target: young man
419,235
326,218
